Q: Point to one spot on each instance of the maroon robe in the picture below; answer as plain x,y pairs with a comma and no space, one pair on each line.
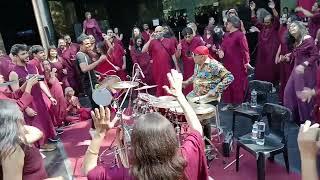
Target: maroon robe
143,59
236,56
60,65
314,25
38,64
187,59
22,99
306,4
91,27
106,67
285,67
116,58
146,35
306,51
59,110
317,103
161,52
43,119
268,43
6,66
69,63
192,151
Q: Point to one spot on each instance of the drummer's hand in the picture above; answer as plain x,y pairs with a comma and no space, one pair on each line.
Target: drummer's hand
101,119
175,80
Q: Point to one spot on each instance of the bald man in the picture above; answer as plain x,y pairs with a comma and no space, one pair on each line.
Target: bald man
162,51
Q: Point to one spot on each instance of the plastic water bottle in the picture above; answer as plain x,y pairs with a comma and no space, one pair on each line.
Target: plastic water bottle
261,131
254,98
254,132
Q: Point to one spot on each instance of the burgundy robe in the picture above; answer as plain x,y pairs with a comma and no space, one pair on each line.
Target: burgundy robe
23,99
143,59
6,66
43,119
69,63
314,25
60,65
268,43
192,151
161,52
187,59
105,67
317,103
91,27
58,111
236,56
285,67
306,51
146,35
116,57
306,4
212,43
38,64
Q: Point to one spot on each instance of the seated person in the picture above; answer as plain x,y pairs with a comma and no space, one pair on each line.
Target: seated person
19,159
74,110
156,153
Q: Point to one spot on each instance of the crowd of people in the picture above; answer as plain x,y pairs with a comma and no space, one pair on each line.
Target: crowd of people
40,89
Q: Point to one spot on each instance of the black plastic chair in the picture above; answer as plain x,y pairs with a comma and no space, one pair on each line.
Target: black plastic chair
277,119
263,88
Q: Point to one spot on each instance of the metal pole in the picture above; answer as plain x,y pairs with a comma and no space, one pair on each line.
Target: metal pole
43,37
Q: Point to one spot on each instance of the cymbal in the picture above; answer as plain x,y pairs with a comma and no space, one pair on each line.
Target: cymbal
166,98
124,85
146,87
166,105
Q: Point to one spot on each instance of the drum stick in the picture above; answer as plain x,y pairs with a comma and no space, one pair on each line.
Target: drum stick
232,162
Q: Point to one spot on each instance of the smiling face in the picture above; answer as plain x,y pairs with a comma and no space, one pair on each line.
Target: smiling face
267,20
53,53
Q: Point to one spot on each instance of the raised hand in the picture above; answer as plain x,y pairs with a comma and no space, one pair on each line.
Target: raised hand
308,139
252,6
101,119
175,79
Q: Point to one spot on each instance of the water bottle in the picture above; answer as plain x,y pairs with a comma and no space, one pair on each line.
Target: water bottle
254,98
254,132
261,131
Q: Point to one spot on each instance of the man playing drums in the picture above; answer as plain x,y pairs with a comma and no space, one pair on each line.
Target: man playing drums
209,80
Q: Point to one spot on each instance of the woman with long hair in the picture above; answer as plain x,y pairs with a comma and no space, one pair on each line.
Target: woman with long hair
305,56
19,158
58,62
143,59
135,34
155,147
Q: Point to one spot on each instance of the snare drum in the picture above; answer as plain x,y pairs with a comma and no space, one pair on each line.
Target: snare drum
141,104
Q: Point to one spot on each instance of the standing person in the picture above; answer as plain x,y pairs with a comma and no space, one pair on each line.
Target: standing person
210,26
36,115
305,4
69,57
314,19
6,66
146,33
268,44
117,56
162,51
59,110
38,54
61,46
91,27
305,56
107,67
118,36
136,33
233,12
286,64
57,62
143,59
86,67
235,57
209,81
185,49
154,142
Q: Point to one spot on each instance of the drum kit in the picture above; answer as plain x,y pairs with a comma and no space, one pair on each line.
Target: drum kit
144,103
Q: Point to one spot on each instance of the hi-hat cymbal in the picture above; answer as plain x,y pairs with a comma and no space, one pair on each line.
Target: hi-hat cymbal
146,87
124,85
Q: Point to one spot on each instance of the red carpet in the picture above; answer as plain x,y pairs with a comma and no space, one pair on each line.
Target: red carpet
76,139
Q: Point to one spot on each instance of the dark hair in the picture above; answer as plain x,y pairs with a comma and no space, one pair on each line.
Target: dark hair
82,38
49,49
11,133
15,49
235,21
135,42
36,49
218,34
170,32
155,149
186,31
101,45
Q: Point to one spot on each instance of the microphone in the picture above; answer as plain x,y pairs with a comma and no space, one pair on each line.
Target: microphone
140,70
